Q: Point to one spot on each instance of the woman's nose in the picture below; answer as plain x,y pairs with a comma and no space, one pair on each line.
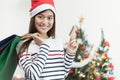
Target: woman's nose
45,20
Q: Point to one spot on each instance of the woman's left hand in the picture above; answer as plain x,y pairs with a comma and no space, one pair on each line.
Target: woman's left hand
72,46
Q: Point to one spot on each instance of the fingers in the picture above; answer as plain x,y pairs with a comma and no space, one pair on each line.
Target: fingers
37,38
72,45
35,35
72,42
26,36
71,39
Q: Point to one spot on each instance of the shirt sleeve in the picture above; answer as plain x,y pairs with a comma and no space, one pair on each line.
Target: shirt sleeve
68,62
34,68
81,64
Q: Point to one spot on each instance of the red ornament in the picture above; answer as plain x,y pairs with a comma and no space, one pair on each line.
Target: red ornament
111,78
98,78
106,43
77,31
75,57
106,55
86,55
83,47
71,71
111,66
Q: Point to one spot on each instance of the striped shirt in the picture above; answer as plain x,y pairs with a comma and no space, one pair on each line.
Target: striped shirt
47,61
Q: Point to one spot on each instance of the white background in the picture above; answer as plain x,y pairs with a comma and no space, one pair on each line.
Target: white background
14,19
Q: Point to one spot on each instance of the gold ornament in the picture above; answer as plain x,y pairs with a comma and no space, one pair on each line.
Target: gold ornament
81,20
81,60
97,74
83,76
95,70
78,72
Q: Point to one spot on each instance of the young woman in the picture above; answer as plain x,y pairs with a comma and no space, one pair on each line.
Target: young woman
41,54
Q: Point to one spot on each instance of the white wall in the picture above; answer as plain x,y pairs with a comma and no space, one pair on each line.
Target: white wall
14,19
98,14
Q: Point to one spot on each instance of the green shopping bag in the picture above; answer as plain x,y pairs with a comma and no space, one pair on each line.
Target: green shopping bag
8,60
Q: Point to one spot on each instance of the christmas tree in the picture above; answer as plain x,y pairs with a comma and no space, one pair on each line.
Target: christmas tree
82,54
99,67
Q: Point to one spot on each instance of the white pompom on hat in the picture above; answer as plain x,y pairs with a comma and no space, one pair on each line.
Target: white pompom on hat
38,6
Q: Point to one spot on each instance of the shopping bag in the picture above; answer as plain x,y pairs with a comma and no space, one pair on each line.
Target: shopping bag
8,60
6,41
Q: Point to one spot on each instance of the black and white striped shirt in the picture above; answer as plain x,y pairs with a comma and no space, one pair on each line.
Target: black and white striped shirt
47,61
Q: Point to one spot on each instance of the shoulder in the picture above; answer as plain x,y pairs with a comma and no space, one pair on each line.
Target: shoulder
55,43
59,40
33,47
18,46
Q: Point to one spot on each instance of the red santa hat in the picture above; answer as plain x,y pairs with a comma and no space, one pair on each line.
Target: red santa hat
41,5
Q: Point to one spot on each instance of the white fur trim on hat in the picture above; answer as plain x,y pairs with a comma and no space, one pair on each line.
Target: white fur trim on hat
41,8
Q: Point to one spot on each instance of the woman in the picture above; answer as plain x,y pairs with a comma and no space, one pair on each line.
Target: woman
41,54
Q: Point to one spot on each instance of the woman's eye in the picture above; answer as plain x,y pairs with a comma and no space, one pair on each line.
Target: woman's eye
41,17
50,18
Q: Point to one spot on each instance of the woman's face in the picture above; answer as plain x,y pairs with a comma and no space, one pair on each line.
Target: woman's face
44,21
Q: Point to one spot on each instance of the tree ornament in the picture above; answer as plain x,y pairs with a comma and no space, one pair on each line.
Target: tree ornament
86,41
98,78
106,55
81,60
106,43
81,20
86,55
111,66
97,74
93,62
77,31
111,72
106,60
81,74
78,72
111,78
83,47
71,71
105,70
95,70
98,64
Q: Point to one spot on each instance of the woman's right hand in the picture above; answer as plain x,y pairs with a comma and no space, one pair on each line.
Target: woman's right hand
26,36
37,38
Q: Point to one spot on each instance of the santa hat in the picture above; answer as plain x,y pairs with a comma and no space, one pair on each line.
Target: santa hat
41,5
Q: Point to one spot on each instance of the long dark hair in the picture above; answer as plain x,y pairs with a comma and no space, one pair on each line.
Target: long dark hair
32,29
